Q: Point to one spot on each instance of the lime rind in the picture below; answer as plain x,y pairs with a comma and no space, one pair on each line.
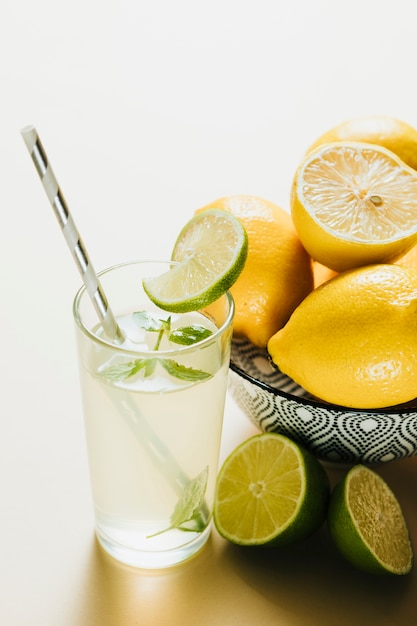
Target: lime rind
293,508
209,255
351,541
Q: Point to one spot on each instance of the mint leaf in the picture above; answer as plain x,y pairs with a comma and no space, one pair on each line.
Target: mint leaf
188,335
188,507
150,365
146,321
182,372
121,371
191,500
166,325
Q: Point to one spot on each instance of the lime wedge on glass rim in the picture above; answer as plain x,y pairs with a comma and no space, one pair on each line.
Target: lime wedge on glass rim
270,491
210,253
367,525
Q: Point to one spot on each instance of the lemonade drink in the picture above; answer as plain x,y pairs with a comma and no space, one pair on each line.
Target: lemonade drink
153,419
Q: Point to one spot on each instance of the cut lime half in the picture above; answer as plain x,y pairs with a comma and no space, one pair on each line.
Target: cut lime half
210,253
367,525
270,490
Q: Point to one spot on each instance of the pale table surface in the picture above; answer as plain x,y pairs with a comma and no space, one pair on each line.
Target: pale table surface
148,111
55,573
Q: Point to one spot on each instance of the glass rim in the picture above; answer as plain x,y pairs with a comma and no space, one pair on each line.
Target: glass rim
107,343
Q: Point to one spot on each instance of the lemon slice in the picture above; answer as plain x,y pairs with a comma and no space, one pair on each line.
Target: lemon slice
367,524
210,253
270,490
354,204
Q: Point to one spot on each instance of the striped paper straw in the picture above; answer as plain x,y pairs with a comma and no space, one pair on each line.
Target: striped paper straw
71,234
158,452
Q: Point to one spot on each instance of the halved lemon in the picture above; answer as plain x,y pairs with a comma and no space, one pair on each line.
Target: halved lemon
354,204
210,253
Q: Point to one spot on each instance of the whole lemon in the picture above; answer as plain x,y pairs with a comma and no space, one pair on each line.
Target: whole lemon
353,340
322,274
409,259
278,271
383,130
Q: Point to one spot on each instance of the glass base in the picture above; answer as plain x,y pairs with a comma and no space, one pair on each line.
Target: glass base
153,559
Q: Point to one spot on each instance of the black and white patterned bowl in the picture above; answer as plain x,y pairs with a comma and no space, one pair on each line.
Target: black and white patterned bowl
275,403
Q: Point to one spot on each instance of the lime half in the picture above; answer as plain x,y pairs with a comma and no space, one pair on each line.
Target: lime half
270,491
367,525
210,252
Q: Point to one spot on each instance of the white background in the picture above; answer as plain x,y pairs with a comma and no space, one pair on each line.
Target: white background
147,110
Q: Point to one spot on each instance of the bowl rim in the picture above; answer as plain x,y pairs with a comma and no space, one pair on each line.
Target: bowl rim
336,408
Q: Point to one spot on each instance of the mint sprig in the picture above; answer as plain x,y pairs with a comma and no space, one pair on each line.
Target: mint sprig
188,508
186,335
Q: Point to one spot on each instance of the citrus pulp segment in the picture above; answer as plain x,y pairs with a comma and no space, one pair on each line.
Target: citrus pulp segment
210,253
353,340
270,491
367,525
354,204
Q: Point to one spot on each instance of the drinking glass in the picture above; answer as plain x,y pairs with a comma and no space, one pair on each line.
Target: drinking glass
153,411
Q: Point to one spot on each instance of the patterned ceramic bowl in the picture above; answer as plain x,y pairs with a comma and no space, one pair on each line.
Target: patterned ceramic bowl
333,433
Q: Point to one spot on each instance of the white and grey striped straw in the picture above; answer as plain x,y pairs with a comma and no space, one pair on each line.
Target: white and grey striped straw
71,234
